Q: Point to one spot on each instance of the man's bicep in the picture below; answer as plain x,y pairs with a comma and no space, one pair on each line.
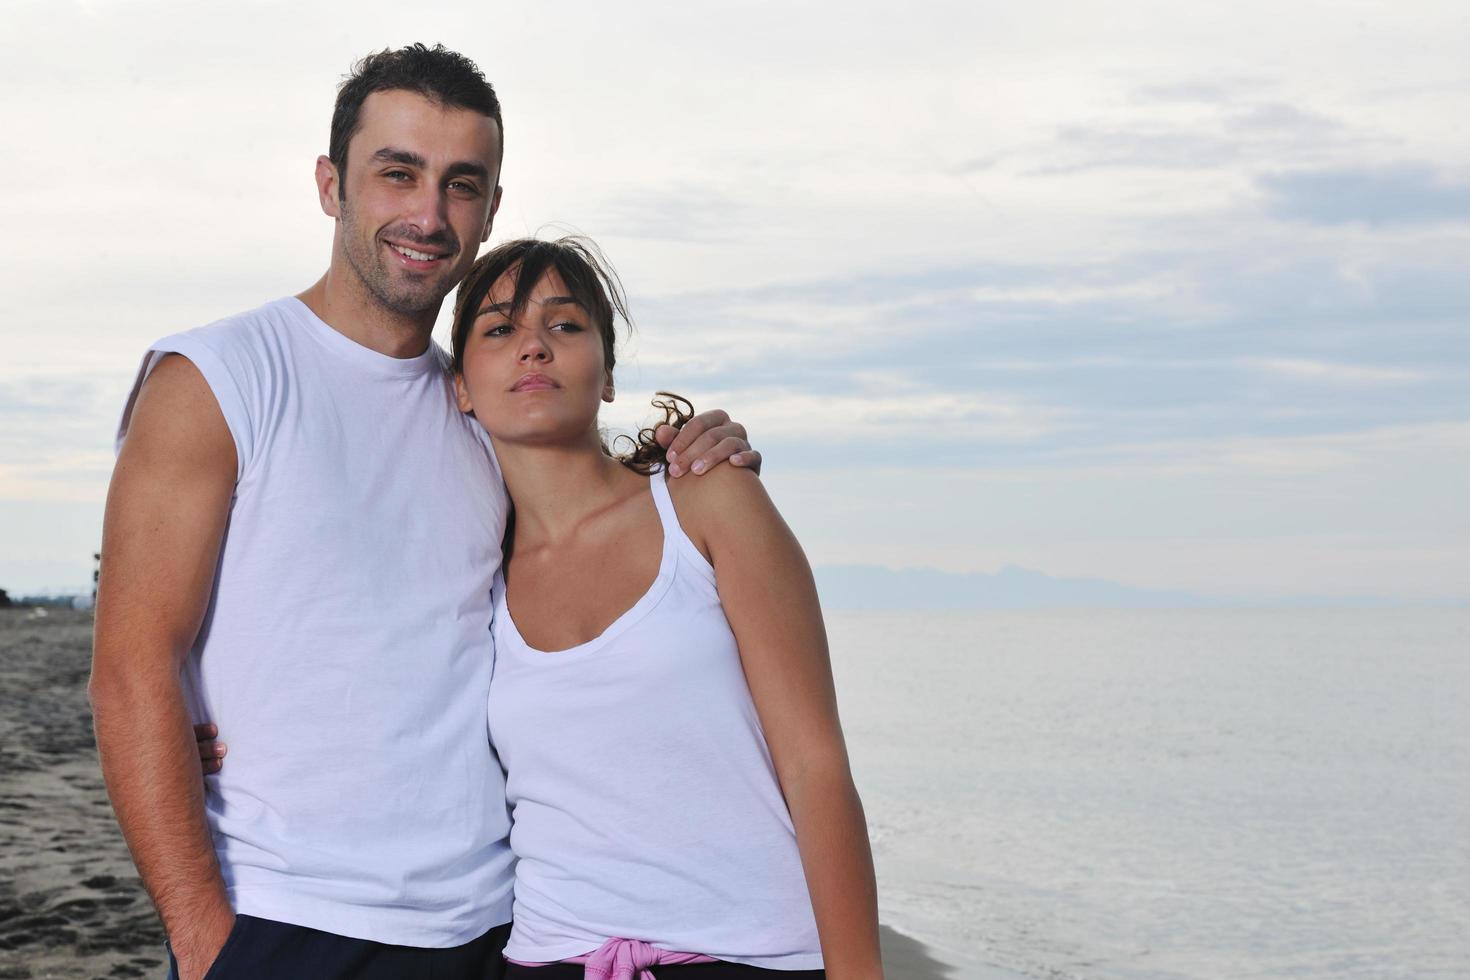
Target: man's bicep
166,512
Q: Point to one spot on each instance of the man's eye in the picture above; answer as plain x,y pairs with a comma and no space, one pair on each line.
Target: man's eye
461,187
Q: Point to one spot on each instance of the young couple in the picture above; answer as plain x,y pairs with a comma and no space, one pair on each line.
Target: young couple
303,547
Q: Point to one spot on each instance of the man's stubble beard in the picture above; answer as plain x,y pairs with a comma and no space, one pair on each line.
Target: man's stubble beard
366,260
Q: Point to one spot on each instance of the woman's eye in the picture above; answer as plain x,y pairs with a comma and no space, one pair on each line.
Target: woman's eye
499,330
568,327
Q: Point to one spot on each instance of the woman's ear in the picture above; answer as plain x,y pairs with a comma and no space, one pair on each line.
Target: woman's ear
609,390
462,395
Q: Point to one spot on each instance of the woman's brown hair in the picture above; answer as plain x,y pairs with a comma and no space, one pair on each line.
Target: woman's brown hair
591,281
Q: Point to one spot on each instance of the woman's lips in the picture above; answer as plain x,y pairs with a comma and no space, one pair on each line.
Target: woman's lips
533,382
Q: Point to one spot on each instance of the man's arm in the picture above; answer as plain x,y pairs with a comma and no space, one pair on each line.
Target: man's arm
166,513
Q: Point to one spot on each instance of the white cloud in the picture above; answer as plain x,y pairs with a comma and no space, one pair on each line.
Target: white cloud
1347,374
1275,456
880,411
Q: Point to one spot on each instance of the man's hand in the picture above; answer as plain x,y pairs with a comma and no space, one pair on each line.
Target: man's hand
198,946
706,440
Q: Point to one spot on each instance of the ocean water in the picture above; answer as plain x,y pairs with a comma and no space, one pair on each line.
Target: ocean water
1168,794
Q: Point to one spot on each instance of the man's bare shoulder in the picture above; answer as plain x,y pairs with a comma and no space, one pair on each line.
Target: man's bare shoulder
176,414
173,371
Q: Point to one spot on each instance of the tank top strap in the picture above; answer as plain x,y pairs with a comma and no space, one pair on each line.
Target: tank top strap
658,482
675,539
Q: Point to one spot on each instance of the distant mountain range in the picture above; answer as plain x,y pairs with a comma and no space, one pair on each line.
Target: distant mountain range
875,587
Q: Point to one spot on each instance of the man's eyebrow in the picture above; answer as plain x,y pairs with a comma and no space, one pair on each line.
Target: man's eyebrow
504,308
408,158
391,154
466,168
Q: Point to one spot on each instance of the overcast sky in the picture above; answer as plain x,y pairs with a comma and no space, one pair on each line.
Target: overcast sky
1173,294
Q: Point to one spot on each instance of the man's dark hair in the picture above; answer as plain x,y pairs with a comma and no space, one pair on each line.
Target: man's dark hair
436,73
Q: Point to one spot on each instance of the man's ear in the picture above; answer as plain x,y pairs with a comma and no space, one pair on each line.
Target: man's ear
462,395
327,186
494,207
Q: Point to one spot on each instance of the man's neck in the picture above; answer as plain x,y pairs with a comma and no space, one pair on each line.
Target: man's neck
340,301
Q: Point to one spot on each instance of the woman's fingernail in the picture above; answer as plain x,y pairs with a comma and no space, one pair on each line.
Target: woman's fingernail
671,455
699,466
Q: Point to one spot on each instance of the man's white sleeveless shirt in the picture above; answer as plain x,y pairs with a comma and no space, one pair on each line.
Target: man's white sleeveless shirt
346,652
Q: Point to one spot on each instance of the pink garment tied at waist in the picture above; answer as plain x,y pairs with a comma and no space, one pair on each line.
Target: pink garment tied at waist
627,959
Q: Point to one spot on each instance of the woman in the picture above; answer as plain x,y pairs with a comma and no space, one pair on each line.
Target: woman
662,699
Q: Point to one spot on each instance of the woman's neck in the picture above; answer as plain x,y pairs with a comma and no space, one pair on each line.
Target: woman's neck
556,488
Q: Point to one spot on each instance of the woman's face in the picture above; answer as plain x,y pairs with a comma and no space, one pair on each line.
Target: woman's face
539,378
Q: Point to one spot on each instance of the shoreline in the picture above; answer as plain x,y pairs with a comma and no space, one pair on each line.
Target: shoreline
908,958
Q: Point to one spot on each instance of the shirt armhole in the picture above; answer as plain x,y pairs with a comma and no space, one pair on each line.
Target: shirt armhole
222,384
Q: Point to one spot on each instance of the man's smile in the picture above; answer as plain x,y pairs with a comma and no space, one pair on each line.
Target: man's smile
418,258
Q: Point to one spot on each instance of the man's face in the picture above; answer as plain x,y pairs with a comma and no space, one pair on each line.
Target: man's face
417,198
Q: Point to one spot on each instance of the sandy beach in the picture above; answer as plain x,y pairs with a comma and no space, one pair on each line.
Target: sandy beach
71,904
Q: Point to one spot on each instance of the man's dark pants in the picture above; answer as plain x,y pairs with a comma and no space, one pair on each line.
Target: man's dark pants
260,948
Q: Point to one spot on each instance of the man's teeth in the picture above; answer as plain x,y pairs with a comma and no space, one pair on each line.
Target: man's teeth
416,256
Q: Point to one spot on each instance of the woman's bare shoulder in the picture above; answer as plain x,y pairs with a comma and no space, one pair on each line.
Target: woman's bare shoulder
723,486
719,503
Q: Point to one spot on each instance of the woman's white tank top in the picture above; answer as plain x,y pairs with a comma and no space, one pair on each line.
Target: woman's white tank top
644,800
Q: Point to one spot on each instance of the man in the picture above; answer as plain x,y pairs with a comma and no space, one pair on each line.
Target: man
303,526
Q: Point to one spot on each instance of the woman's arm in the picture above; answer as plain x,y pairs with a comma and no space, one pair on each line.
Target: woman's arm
769,597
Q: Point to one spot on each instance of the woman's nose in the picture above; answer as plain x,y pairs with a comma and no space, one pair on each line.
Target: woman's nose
534,350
